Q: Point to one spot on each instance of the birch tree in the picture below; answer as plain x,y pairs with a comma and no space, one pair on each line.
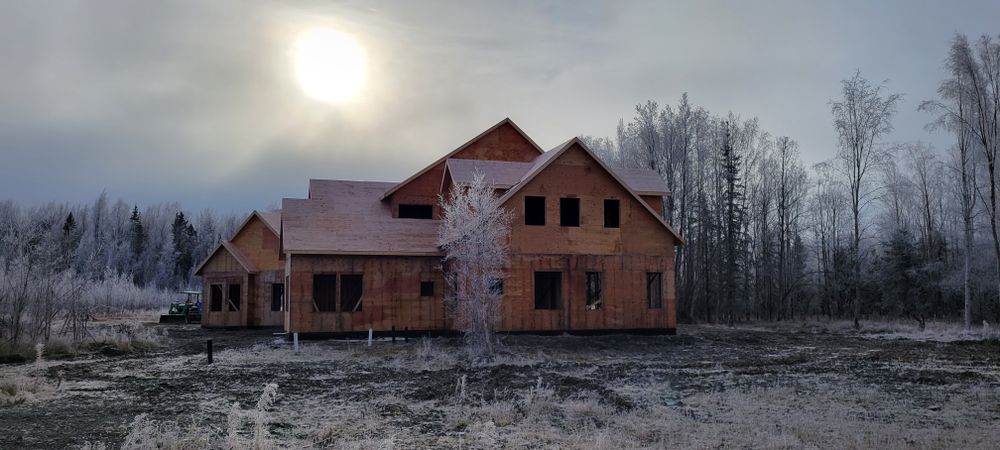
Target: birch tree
861,118
474,236
969,105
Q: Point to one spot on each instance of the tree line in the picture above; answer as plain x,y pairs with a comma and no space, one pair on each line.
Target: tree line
881,229
60,264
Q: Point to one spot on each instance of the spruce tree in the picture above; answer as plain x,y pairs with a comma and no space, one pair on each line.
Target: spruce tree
184,236
138,245
733,221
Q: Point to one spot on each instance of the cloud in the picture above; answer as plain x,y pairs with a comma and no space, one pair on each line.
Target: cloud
196,101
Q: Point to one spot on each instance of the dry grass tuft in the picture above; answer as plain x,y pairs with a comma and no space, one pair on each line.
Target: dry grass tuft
26,384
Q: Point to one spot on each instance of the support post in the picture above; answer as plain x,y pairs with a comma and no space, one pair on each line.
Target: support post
369,337
295,342
209,350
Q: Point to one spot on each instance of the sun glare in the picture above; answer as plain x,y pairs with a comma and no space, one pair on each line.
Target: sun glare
329,65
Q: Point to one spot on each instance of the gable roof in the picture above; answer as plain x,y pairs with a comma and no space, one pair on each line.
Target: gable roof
506,174
347,217
505,121
271,219
234,252
545,160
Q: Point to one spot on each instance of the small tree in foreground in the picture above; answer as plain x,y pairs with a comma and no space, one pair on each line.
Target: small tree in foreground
473,236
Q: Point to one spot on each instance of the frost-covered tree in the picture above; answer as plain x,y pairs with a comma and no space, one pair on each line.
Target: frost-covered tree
861,118
184,238
474,237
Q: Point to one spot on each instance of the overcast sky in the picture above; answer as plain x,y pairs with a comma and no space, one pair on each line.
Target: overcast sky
197,101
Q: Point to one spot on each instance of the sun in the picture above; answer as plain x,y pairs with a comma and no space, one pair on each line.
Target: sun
330,66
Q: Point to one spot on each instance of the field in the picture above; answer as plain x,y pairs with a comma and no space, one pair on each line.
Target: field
778,386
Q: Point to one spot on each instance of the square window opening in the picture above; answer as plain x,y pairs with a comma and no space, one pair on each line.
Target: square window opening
534,211
426,288
569,212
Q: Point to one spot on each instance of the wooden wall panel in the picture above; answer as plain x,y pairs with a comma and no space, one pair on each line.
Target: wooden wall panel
222,262
624,287
391,294
576,174
262,316
504,143
259,244
224,318
655,202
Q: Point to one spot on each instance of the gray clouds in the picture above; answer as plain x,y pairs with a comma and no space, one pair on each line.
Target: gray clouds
196,101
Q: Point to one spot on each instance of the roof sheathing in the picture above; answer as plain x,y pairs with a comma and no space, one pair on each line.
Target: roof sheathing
349,219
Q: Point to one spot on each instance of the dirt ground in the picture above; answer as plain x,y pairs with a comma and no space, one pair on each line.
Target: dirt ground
789,386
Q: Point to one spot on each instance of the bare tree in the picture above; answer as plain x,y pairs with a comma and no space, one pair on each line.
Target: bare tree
925,169
861,118
969,107
474,236
792,186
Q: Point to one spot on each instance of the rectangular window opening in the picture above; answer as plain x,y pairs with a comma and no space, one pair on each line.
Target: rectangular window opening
234,297
277,296
496,286
595,294
351,287
612,217
548,290
215,298
325,292
654,289
426,288
569,212
534,210
416,211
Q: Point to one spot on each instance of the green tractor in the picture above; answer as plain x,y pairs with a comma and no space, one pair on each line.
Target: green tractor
187,311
